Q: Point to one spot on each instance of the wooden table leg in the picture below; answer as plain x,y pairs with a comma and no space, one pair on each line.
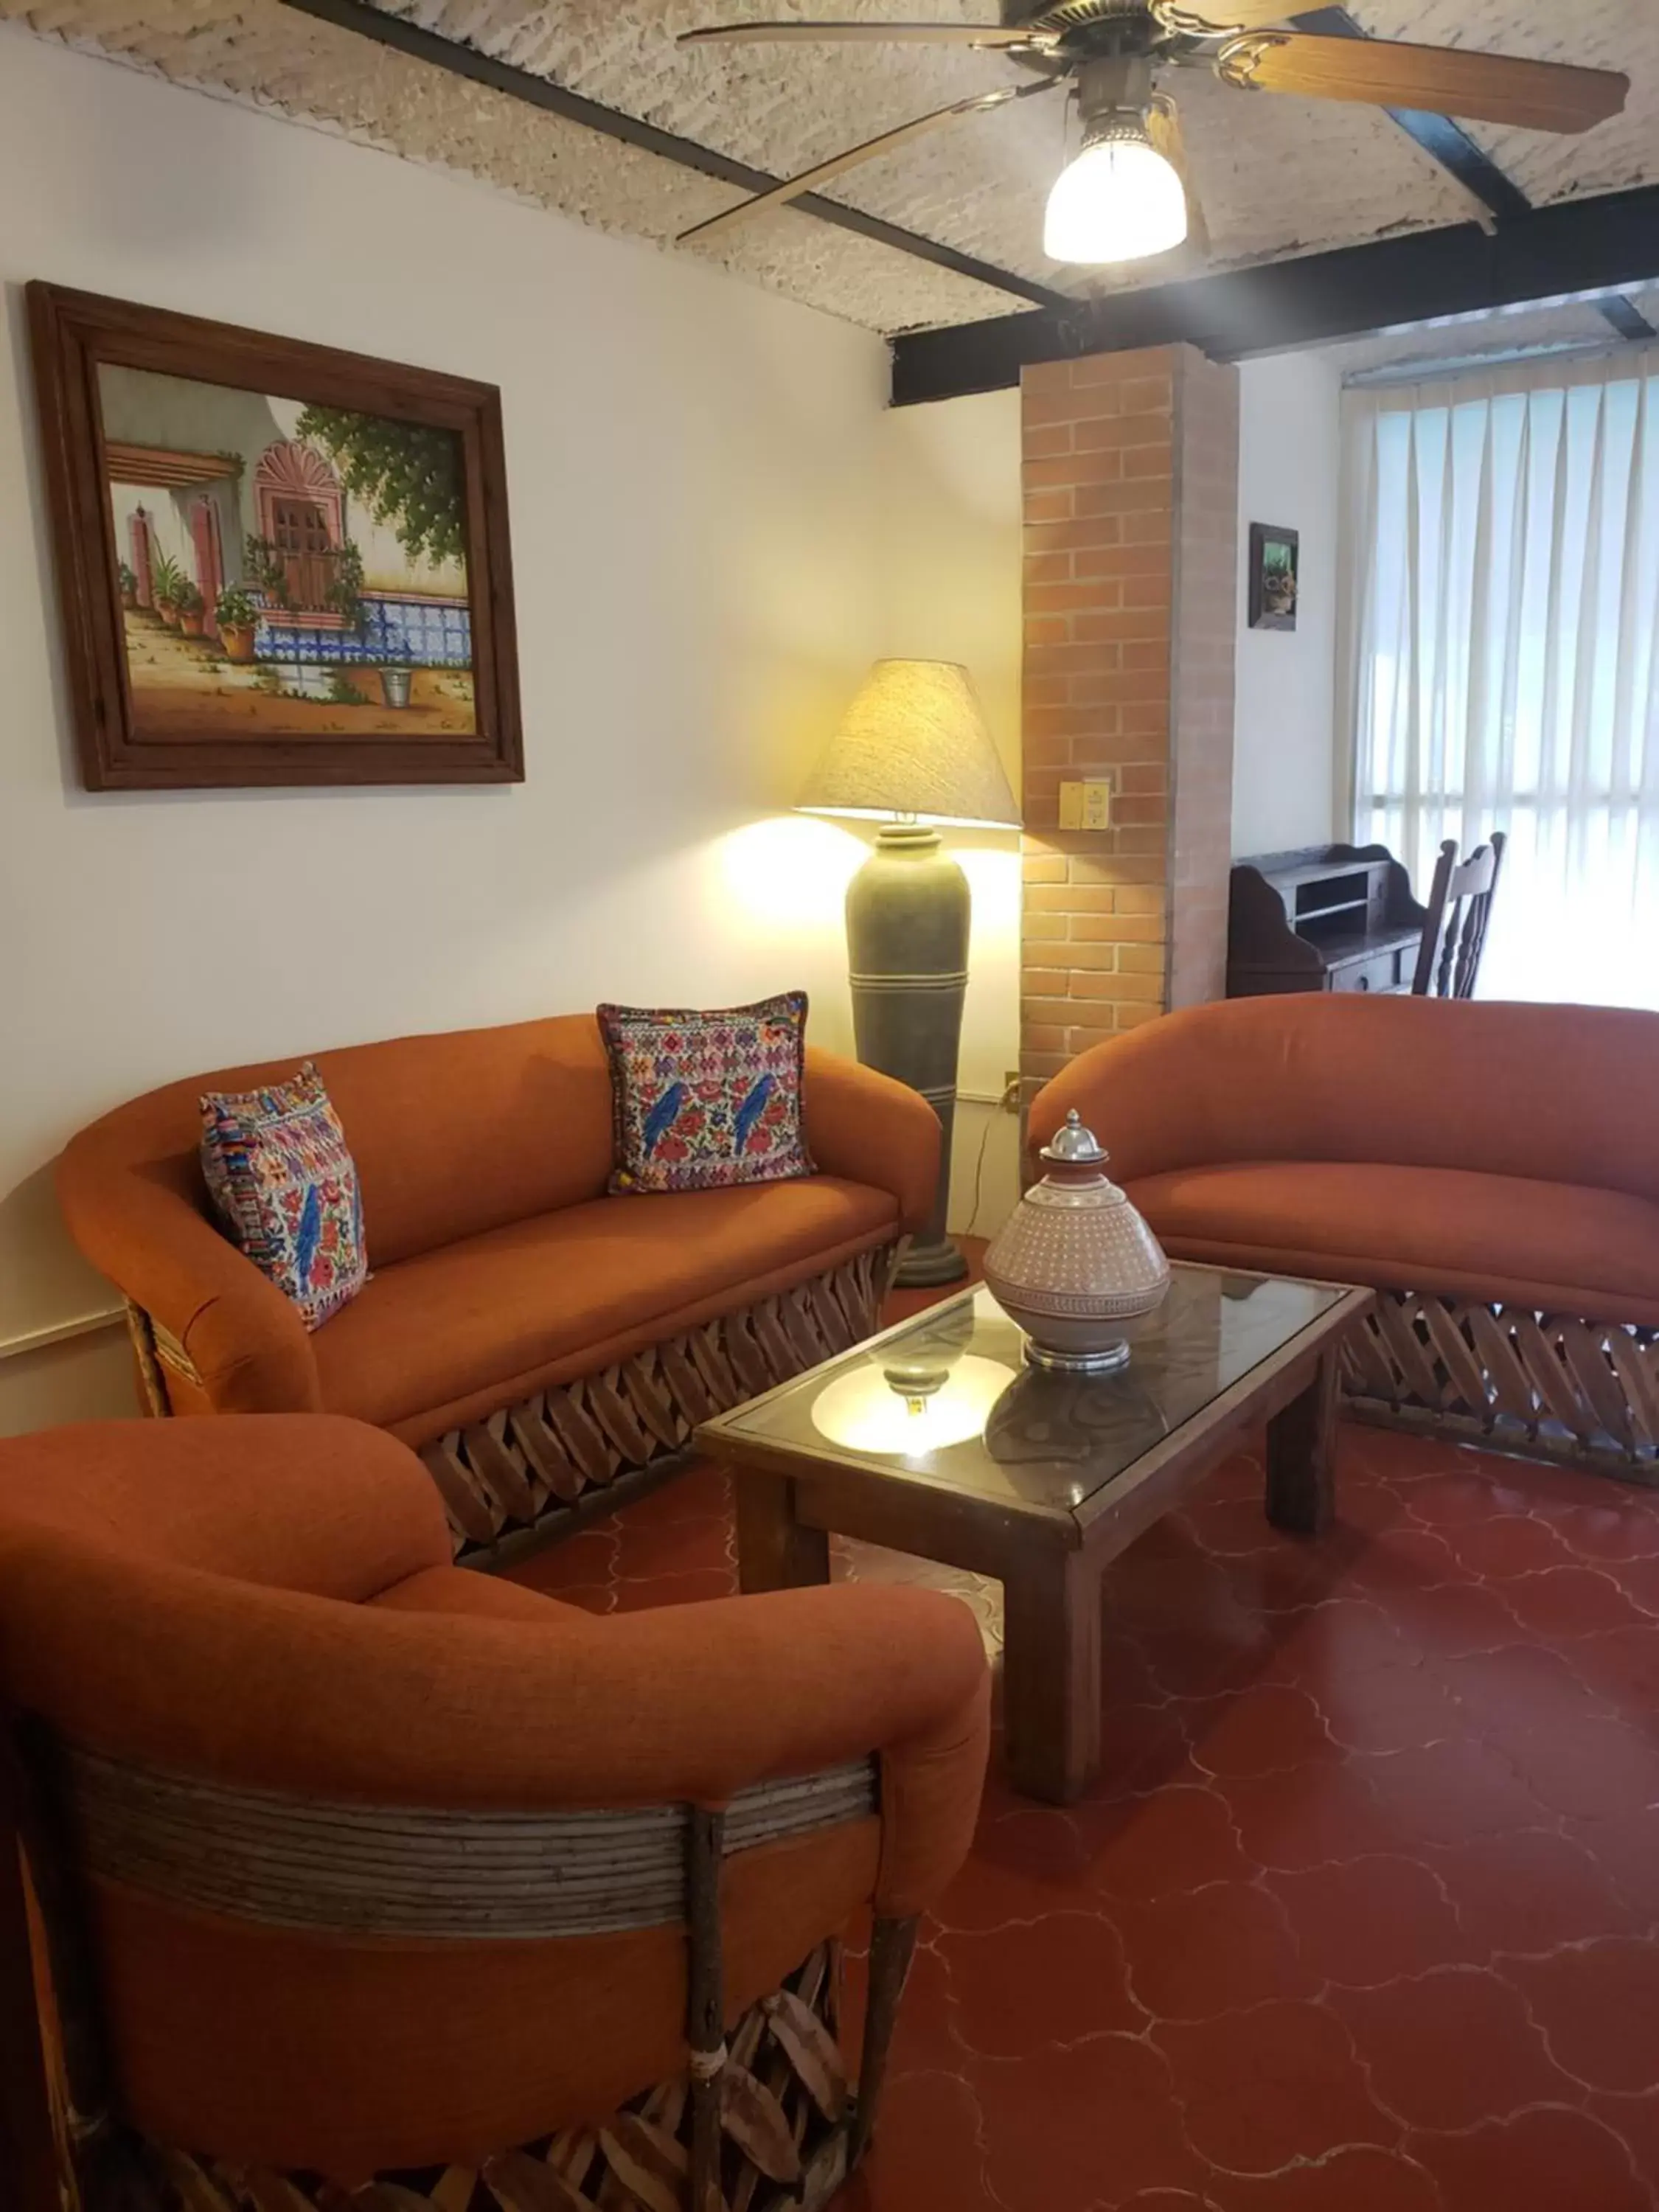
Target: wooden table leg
775,1551
1051,1674
1301,1456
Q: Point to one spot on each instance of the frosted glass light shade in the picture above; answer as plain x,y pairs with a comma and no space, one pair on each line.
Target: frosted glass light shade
914,741
1119,200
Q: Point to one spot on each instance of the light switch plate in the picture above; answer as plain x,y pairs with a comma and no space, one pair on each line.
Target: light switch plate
1087,804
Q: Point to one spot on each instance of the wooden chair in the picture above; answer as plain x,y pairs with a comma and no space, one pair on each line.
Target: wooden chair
1460,908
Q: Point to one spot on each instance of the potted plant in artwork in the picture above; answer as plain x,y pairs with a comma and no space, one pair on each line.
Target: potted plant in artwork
129,584
345,591
264,564
167,582
238,620
192,611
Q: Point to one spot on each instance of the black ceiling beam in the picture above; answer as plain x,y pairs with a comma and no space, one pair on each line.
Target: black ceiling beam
1626,317
477,68
1573,246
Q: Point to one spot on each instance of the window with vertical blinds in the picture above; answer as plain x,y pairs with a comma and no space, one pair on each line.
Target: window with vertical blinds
1501,668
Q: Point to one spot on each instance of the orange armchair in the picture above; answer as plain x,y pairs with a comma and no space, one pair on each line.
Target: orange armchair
351,1863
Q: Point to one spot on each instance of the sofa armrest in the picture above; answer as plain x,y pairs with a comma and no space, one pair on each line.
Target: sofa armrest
870,1129
138,1226
698,1702
1147,1107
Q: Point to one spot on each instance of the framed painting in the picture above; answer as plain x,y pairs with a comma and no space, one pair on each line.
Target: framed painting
277,563
1273,555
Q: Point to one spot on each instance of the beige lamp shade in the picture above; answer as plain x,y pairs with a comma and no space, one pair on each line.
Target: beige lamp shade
914,741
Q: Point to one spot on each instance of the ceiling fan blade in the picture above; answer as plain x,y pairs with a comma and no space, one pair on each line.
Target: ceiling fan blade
809,179
1443,80
940,34
1164,129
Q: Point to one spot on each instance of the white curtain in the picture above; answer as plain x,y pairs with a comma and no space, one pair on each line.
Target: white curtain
1500,664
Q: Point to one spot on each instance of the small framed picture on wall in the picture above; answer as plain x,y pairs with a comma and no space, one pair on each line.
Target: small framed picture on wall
1274,558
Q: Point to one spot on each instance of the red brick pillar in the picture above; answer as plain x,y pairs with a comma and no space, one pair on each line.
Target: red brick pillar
1131,475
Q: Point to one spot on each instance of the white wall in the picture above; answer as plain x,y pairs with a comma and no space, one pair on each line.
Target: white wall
715,527
1283,723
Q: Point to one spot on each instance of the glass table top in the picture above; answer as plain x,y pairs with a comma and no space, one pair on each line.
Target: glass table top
948,1399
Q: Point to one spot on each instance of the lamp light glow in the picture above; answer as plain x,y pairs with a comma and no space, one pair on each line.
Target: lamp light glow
1119,200
892,1416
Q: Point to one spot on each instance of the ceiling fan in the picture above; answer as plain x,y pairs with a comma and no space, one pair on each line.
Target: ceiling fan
1128,192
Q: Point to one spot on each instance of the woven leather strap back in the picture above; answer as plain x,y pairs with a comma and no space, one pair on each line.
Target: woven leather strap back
784,2110
1545,1385
565,1450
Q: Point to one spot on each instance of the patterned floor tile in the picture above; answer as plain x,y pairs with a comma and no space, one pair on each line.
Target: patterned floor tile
1597,2007
1552,2160
1529,1894
1222,1948
1265,1729
1088,2125
1020,1988
1449,2049
1360,1923
1362,2180
1267,2088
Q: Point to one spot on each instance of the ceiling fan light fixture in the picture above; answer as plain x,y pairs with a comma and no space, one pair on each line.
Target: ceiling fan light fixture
1119,200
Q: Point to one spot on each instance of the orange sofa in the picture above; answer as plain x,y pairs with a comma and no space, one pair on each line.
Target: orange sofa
339,1862
1493,1168
543,1346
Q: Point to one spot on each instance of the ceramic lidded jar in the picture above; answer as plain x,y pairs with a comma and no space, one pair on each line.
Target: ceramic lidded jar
1075,1259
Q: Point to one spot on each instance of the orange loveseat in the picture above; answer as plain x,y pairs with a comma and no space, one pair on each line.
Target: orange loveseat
1493,1168
355,1865
542,1346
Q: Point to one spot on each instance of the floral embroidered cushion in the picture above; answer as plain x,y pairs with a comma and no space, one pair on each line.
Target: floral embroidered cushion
707,1101
282,1177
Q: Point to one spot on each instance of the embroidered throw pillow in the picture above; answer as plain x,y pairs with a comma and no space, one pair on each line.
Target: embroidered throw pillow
707,1101
282,1177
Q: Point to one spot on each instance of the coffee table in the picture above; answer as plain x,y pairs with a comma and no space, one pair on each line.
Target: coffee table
935,1437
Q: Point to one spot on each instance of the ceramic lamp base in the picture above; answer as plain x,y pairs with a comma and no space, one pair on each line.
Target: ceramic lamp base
928,1263
907,942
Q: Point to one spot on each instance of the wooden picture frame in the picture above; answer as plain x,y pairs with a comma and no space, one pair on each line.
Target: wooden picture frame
1275,557
330,532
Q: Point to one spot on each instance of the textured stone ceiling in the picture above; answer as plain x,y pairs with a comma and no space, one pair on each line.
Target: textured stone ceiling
1277,176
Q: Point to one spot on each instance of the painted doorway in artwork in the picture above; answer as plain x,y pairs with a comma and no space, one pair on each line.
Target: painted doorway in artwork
143,540
210,561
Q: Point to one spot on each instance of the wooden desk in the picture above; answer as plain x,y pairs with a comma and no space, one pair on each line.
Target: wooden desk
1323,918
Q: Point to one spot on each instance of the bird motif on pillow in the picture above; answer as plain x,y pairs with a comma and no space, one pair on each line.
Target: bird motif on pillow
661,1118
308,1235
753,1106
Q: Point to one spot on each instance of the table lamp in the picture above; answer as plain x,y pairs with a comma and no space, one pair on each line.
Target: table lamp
912,751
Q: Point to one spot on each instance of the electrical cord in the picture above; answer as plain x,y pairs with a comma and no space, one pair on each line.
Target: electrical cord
979,1173
1006,1104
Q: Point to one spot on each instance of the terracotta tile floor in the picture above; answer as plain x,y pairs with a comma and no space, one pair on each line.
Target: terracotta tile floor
1361,1917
